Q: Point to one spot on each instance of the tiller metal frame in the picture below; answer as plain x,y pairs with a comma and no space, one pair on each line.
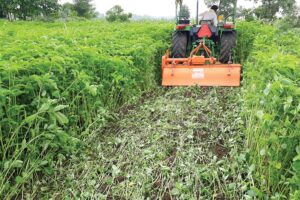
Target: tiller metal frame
199,70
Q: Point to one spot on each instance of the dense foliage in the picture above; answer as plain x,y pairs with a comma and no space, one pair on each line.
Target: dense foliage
23,9
267,10
45,9
270,8
271,108
57,81
84,8
117,13
226,8
184,12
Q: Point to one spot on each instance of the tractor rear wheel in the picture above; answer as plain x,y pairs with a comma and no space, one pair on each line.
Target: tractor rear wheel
179,44
228,43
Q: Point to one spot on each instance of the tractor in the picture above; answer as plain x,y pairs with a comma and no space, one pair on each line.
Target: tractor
203,53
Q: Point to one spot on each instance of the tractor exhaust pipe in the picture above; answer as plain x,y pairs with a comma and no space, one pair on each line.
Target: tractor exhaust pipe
197,13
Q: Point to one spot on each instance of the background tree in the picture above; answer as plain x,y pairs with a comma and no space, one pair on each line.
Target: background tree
48,7
246,14
9,8
84,8
270,8
116,13
184,12
24,9
226,7
1,11
67,10
177,3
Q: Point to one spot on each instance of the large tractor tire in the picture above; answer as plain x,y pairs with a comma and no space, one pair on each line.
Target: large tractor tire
179,44
228,43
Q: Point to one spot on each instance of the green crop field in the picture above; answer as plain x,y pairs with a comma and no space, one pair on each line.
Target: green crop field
83,116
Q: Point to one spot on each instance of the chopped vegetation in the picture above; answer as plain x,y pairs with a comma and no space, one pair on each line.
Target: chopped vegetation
181,143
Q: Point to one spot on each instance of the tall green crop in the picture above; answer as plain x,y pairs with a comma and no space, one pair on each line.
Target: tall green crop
271,108
57,78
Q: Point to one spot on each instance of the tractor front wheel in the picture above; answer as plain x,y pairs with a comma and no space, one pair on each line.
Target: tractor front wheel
228,43
179,44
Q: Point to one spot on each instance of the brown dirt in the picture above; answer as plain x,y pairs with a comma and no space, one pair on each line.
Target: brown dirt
172,157
220,150
120,179
167,196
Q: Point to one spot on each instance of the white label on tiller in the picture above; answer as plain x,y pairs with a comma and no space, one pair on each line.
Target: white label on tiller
198,73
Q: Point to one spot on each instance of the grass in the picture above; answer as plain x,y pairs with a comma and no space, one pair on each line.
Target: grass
180,143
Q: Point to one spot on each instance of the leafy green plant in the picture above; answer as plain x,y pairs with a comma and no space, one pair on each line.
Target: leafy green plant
271,109
57,80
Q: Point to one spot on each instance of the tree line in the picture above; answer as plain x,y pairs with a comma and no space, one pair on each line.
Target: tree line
268,10
30,9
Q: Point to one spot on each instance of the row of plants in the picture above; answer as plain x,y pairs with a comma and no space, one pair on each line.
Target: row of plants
58,81
271,109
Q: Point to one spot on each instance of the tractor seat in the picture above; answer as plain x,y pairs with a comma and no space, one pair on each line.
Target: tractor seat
209,22
184,21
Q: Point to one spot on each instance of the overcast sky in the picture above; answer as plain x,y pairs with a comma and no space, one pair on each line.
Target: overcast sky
157,8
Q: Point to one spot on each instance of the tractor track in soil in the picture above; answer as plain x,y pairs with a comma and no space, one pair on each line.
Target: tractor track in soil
179,143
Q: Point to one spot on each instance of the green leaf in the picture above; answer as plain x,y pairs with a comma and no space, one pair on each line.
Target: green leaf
296,166
17,164
115,170
92,89
13,164
251,168
175,191
6,165
45,107
44,162
262,152
273,137
19,180
24,144
255,192
288,103
30,118
267,89
296,158
62,119
277,165
260,114
60,107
